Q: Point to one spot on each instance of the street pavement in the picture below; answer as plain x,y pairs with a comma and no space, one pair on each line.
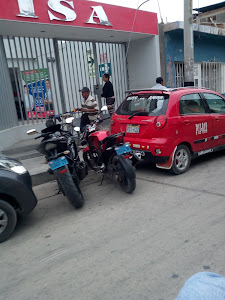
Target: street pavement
120,246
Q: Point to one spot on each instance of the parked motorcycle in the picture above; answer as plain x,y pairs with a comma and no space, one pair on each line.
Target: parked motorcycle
59,147
107,153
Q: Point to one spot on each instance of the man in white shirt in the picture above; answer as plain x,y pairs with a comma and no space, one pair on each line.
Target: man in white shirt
159,84
89,108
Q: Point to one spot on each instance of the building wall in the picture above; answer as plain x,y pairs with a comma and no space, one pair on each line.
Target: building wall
143,62
207,48
217,16
8,115
220,18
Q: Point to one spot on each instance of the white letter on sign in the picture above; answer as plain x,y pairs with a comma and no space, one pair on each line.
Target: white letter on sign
26,8
100,14
55,5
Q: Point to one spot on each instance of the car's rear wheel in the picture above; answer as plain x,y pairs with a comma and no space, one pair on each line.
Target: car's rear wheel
181,161
8,219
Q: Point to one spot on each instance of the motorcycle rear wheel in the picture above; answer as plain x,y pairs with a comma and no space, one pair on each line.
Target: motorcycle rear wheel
71,189
128,185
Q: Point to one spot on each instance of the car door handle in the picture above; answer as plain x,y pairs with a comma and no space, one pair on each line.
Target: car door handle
187,123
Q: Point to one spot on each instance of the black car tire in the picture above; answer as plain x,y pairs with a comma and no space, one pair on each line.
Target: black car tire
71,189
7,211
181,161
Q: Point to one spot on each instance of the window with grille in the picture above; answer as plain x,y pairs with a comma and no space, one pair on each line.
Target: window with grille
179,74
211,74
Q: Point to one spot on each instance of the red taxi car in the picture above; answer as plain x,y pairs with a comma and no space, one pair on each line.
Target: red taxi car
171,127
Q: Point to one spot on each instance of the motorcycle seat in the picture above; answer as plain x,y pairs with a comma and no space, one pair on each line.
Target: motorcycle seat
52,129
107,139
110,138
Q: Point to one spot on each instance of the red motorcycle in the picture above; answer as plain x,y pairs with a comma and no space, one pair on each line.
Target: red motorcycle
107,153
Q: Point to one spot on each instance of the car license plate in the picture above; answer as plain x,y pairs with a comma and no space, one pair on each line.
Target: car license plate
57,163
133,128
123,149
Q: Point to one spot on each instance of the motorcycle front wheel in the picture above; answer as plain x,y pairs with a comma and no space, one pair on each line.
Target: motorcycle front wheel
70,189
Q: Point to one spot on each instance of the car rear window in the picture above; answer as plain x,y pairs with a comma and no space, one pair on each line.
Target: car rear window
149,105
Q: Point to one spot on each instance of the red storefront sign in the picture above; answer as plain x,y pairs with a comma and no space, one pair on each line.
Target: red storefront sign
79,13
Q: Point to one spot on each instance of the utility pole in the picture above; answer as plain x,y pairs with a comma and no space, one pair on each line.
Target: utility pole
188,44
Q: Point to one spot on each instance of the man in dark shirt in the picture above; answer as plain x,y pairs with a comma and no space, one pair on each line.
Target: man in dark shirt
108,93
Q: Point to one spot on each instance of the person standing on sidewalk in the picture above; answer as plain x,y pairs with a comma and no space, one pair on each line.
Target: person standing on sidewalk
159,84
108,94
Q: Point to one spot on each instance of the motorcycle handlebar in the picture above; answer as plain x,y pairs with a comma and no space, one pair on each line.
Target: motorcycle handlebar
106,118
40,136
65,114
101,120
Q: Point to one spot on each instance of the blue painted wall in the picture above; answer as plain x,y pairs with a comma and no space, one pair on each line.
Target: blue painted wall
206,48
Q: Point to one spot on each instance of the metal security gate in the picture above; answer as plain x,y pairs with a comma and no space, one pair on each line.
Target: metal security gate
47,74
31,63
84,64
179,74
211,75
206,74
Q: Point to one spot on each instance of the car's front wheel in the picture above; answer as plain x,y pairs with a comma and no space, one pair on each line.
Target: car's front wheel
181,161
8,219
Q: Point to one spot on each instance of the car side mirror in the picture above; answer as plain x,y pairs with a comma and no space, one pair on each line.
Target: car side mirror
69,120
77,129
104,108
32,131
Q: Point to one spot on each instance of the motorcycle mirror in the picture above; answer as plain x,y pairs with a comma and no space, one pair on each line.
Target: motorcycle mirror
31,131
69,120
77,129
104,108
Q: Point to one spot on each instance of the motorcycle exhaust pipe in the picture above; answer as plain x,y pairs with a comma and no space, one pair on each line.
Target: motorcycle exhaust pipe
134,159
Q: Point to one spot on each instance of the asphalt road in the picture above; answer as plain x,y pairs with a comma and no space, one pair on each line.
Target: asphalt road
119,246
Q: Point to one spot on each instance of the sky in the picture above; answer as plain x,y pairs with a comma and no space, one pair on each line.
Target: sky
171,10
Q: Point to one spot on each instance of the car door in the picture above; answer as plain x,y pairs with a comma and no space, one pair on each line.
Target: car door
196,122
217,110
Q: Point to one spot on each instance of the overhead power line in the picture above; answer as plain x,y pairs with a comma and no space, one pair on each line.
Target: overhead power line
138,6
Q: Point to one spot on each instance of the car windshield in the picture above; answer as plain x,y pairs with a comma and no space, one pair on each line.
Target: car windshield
144,104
